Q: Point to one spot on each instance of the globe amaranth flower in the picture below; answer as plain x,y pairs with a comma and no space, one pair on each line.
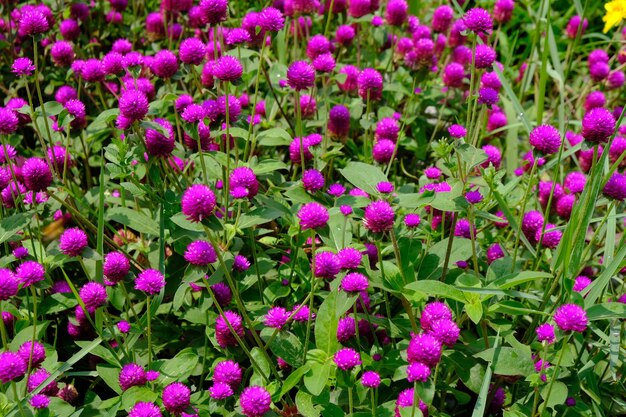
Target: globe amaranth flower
327,265
379,216
354,282
93,295
581,283
223,333
424,348
445,331
478,20
453,75
255,401
123,326
227,68
396,12
243,183
324,63
313,216
22,67
503,10
33,352
73,241
37,377
546,139
346,329
442,18
598,125
222,293
551,236
241,263
33,21
213,11
133,104
405,399
615,187
116,266
39,401
312,180
160,142
571,317
201,253
165,64
198,202
385,187
30,272
383,151
370,379
271,19
276,317
387,128
12,366
417,371
345,35
487,96
300,75
176,397
145,409
432,312
192,51
370,84
349,258
132,375
531,222
339,121
228,372
8,121
484,56
220,391
347,358
150,281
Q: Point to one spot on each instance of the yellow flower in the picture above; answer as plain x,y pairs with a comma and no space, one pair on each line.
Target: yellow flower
615,12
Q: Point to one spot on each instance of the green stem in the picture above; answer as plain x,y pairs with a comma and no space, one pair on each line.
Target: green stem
556,373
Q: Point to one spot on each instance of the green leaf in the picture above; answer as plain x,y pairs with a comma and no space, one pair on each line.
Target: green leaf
61,408
274,137
510,361
315,380
133,395
135,220
606,311
261,361
558,395
432,288
260,215
55,303
471,155
512,280
9,226
327,320
304,402
474,311
285,345
481,401
110,375
180,366
363,176
294,378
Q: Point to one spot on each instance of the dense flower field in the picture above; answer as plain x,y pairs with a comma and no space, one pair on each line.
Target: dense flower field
312,208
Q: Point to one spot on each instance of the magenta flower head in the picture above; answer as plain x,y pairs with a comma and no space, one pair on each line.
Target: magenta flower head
313,216
312,180
453,75
598,125
38,353
93,294
615,187
387,128
241,263
503,10
192,51
300,75
487,96
73,241
339,121
551,237
484,56
396,12
379,216
417,371
12,366
457,131
198,202
445,331
478,21
442,18
345,35
39,401
176,397
9,284
132,375
271,19
347,358
223,294
581,283
200,253
327,265
159,144
227,372
243,183
223,334
22,67
32,21
220,391
164,64
576,24
227,68
354,282
370,84
116,266
424,348
145,409
531,222
37,377
432,312
370,379
255,401
412,220
405,399
30,272
546,139
214,11
133,105
571,318
349,258
8,121
150,281
276,317
383,150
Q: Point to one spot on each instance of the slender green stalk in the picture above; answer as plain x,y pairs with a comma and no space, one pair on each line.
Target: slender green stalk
556,373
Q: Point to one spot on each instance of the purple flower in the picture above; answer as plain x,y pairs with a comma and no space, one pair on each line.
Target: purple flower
276,317
271,19
412,220
32,352
312,180
354,282
30,272
176,397
575,24
192,51
220,391
484,56
453,75
12,366
442,18
598,125
39,401
424,348
349,258
116,266
417,371
201,253
22,67
324,63
198,202
223,333
73,241
133,105
445,331
132,375
346,329
8,121
383,150
370,379
581,283
379,216
123,326
405,399
327,265
35,380
571,317
159,144
243,183
531,222
145,409
387,128
227,372
396,12
227,68
347,358
339,120
223,294
494,252
478,20
33,21
503,10
615,187
93,294
165,64
255,401
546,139
457,131
487,96
213,11
150,281
300,75
551,237
313,216
432,312
370,84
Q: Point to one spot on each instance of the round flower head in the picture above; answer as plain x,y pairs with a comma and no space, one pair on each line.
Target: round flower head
599,71
417,371
313,216
132,375
30,272
487,96
133,105
32,352
73,241
346,329
176,397
564,205
546,139
300,75
255,401
227,372
192,51
150,281
223,334
276,317
503,10
484,56
370,84
478,21
432,312
453,75
227,68
531,222
370,379
494,252
339,120
8,121
39,401
241,263
551,237
576,27
396,12
494,156
445,331
354,282
200,253
159,144
387,128
93,294
412,220
62,53
327,265
616,79
32,21
317,45
383,150
198,202
12,366
37,377
164,64
351,82
345,35
312,180
271,19
571,317
457,131
324,63
615,187
145,409
349,258
243,183
22,67
424,348
223,294
220,391
598,125
123,326
213,11
405,399
595,99
116,266
442,18
379,216
581,283
347,358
